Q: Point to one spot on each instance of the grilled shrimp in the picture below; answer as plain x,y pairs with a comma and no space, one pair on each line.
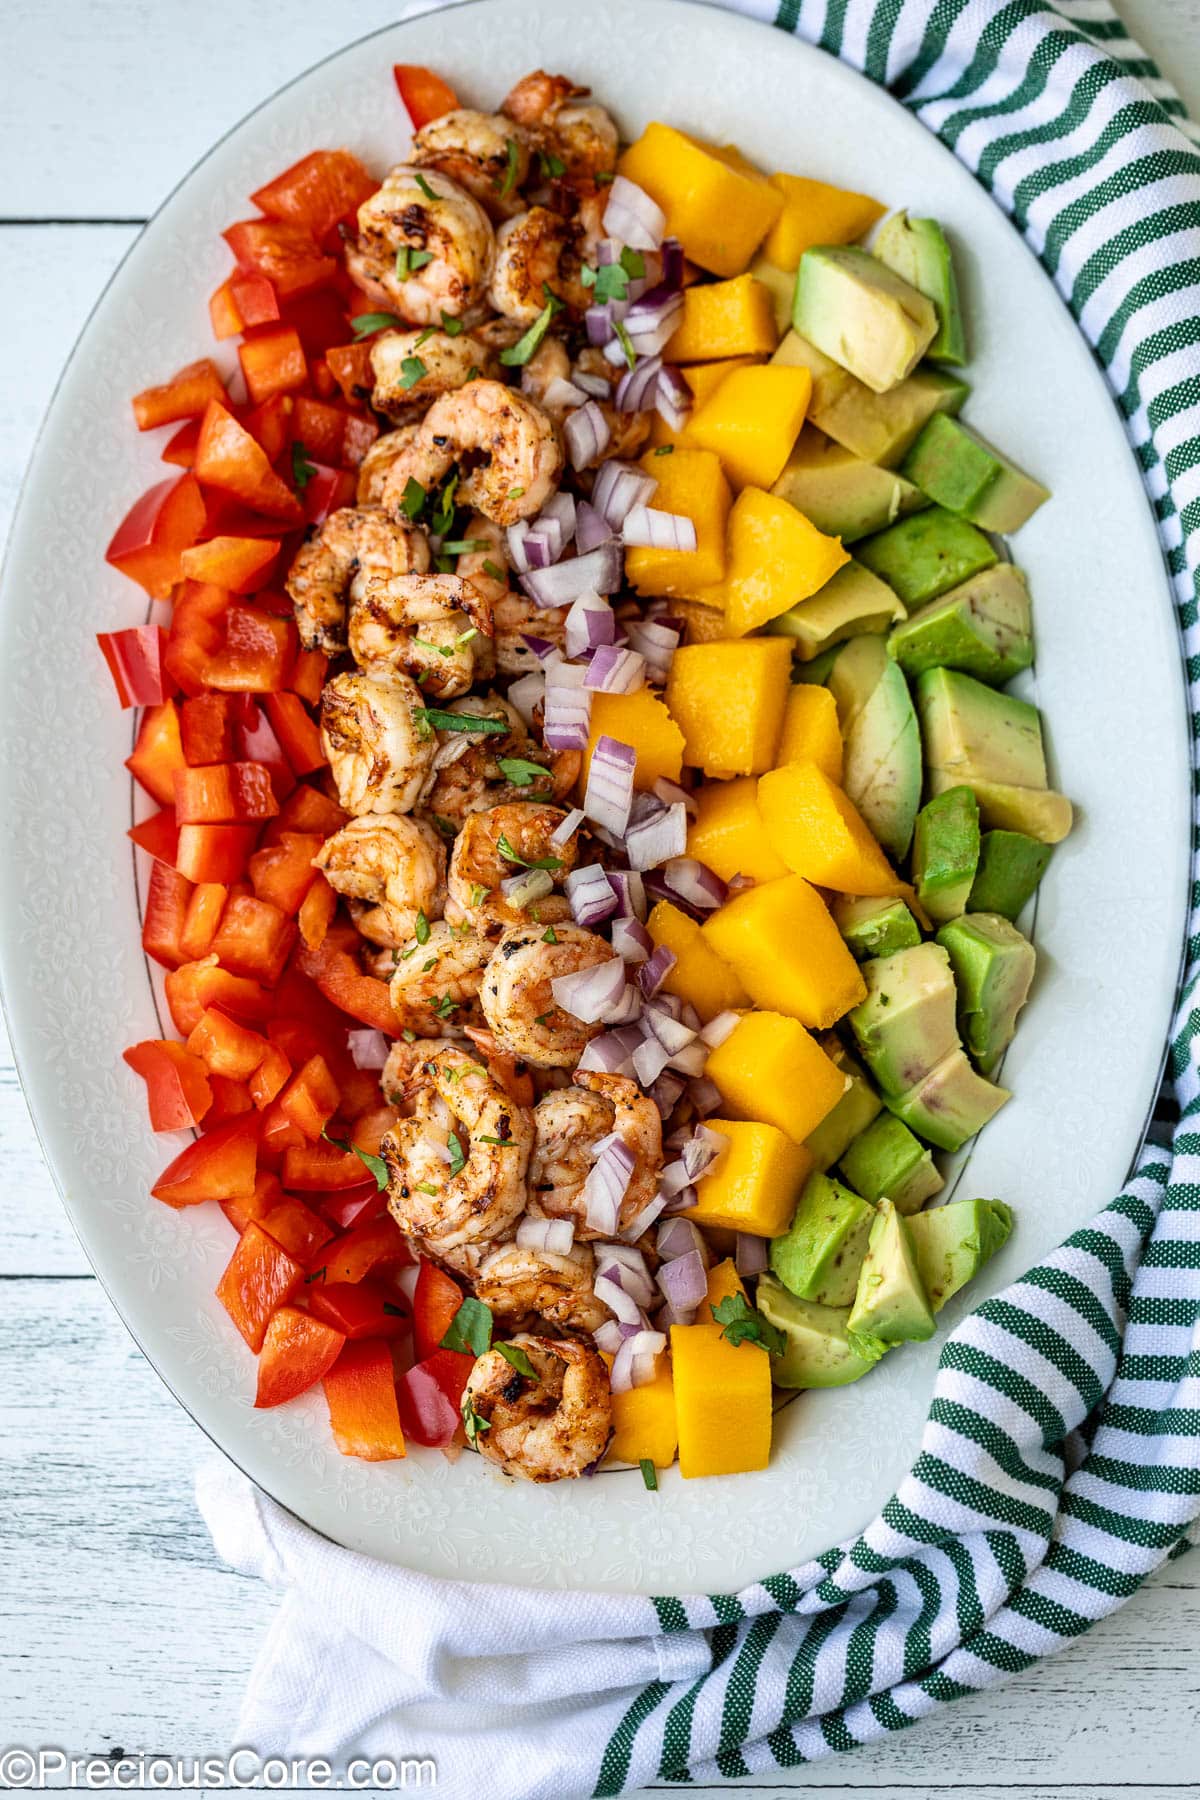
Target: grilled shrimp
499,843
508,450
374,467
414,368
370,732
431,626
404,1059
469,776
581,134
457,1165
485,153
515,1282
569,1124
426,214
514,615
392,868
548,1428
627,431
353,543
435,985
537,251
518,1001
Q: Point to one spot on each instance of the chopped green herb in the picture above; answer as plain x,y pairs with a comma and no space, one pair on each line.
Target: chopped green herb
664,449
609,282
470,1329
458,1161
444,1007
500,1143
317,1275
510,855
479,894
410,1037
452,721
744,1324
367,324
464,637
604,177
466,546
427,190
395,1312
518,354
431,964
422,930
412,370
413,498
408,261
472,374
552,166
624,341
427,1187
450,325
541,1018
512,162
549,936
515,493
447,827
633,263
302,470
376,1164
520,771
423,337
473,1422
514,1354
496,573
649,1474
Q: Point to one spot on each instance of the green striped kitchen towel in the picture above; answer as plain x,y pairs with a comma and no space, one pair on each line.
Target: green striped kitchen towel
1061,1459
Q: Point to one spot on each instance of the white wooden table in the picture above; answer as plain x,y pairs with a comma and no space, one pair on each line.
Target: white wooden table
118,1626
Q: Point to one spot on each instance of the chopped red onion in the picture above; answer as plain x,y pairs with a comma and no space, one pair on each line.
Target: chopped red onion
634,1363
528,693
676,1237
642,1221
630,1007
704,1095
527,886
562,834
591,528
563,394
658,838
631,940
368,1049
691,1059
619,486
665,1091
540,549
671,1003
635,1276
560,508
671,794
598,323
613,1295
589,624
557,1236
695,883
673,399
719,1028
657,643
702,1150
750,1254
638,387
611,1335
598,386
672,263
684,1281
633,217
630,890
609,794
590,894
586,435
612,1052
670,1032
568,709
591,995
615,671
646,315
655,969
659,530
683,1201
599,572
514,539
649,1061
607,1180
542,648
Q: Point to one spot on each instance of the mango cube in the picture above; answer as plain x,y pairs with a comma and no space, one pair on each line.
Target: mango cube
702,624
703,379
724,318
752,420
770,1069
728,832
691,482
644,1428
722,1402
640,719
723,1281
717,204
820,833
698,975
788,953
728,700
756,1180
815,213
810,730
776,558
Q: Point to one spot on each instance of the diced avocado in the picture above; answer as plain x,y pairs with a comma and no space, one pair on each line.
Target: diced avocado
906,1026
881,769
855,676
959,471
946,852
970,730
1010,868
950,1104
819,1256
1038,812
983,627
993,968
953,1243
875,927
890,1301
887,1160
821,1352
782,286
853,1112
918,251
851,603
862,314
816,671
841,494
879,428
924,556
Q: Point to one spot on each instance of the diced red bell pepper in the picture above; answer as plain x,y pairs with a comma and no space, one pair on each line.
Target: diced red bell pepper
230,459
158,836
206,729
297,1351
256,653
509,1070
372,1126
150,540
326,491
308,675
261,1278
273,362
257,742
350,366
185,396
310,1098
270,1077
270,425
317,192
322,1168
225,1046
180,447
195,986
436,1300
224,794
316,913
254,938
268,1193
429,1396
158,752
320,317
285,253
238,564
323,384
231,1100
283,873
361,1309
215,852
223,313
255,298
167,899
425,95
308,809
297,1227
135,661
320,428
218,1166
297,732
339,978
177,1085
355,1207
204,911
361,1392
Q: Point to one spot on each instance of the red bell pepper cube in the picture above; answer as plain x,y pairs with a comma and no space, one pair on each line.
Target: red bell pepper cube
297,732
308,809
257,742
158,752
372,1124
218,1166
429,1396
231,1100
297,1351
360,1309
150,540
224,794
327,490
320,428
215,852
258,648
177,1086
230,459
320,318
158,836
357,1206
283,873
425,95
180,447
239,564
204,911
285,253
316,915
323,384
223,313
268,1193
318,191
361,1392
255,298
254,938
185,396
307,678
270,1077
339,978
270,425
310,1098
206,724
195,986
374,1245
225,1046
350,366
135,661
167,899
435,1301
297,1228
261,1278
273,362
321,1167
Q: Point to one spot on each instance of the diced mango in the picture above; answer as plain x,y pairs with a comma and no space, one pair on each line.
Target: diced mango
703,379
722,1402
810,730
815,213
723,1281
644,1428
788,953
821,834
769,1068
691,482
752,420
640,719
702,624
722,319
698,975
717,204
728,700
775,559
755,1182
728,833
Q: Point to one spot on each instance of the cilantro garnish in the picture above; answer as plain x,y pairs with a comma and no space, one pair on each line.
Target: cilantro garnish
624,340
450,325
500,1143
413,498
664,449
444,1008
408,260
550,936
427,1187
470,1329
466,546
512,153
302,470
552,165
425,187
514,1354
367,324
518,354
510,855
491,568
458,1161
744,1324
412,371
376,1164
473,1422
422,928
451,721
649,1474
520,771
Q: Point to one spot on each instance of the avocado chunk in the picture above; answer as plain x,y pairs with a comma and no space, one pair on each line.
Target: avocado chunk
780,283
917,250
993,968
841,494
819,1255
906,1025
1010,867
854,677
875,927
890,1301
851,603
821,1352
853,1112
881,770
983,627
887,1160
993,742
879,428
814,671
958,470
924,556
953,1243
862,314
1037,812
950,1104
946,853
